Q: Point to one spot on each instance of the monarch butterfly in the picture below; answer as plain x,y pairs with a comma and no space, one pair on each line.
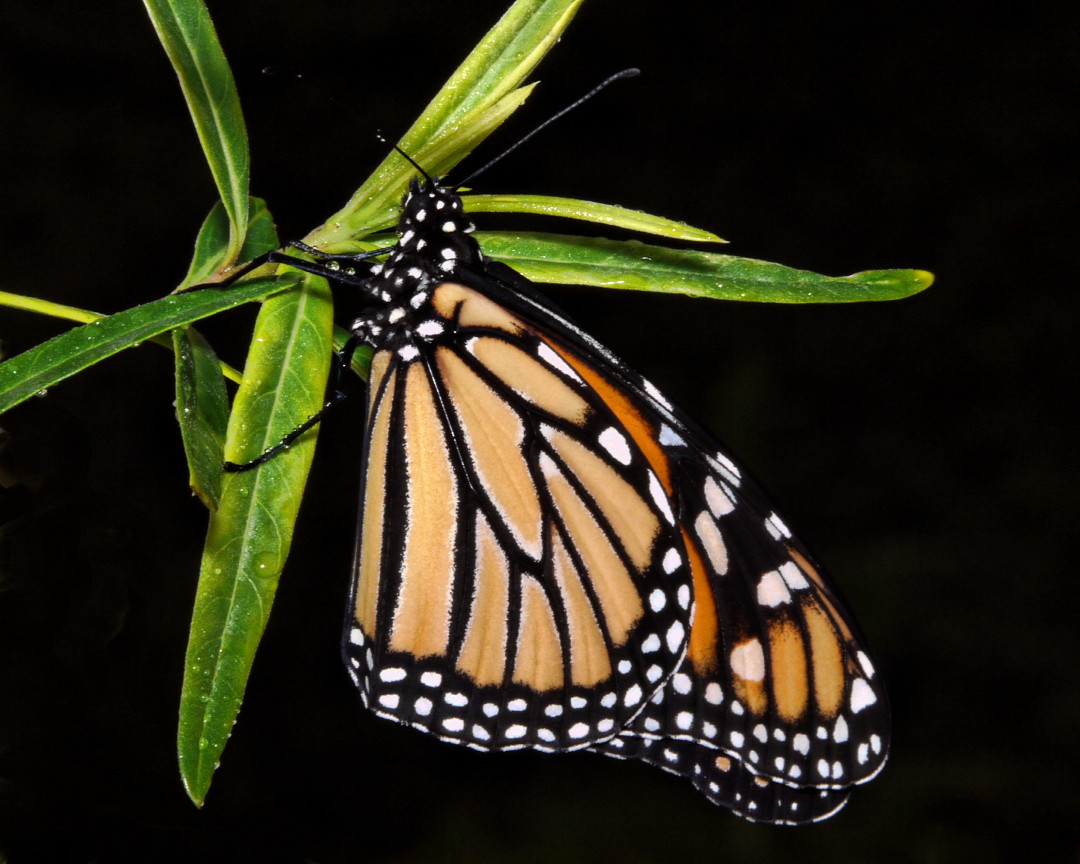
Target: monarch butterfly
550,555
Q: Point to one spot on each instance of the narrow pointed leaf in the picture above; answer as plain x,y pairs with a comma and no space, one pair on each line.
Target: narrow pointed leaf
212,244
250,534
467,104
188,36
47,364
499,63
589,211
202,408
202,405
377,209
641,267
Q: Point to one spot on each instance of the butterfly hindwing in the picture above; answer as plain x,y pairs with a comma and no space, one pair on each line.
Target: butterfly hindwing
775,686
775,704
727,781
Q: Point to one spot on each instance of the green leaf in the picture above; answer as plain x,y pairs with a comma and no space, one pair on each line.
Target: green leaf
202,405
84,316
503,59
481,94
378,209
250,534
588,211
45,365
188,36
202,408
211,245
639,266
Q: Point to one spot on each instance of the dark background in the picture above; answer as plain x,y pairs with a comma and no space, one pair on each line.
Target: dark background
922,447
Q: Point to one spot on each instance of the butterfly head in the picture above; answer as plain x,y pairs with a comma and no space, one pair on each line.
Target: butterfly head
435,230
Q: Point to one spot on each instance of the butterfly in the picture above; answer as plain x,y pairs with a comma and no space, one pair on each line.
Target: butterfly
552,556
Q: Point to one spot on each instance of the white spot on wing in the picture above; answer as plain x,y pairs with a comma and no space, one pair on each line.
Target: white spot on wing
615,444
793,576
672,560
771,590
717,498
728,469
713,543
747,660
660,498
650,388
776,527
670,438
862,695
549,356
675,635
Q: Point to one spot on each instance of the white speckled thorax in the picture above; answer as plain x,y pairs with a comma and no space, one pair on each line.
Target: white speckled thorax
434,243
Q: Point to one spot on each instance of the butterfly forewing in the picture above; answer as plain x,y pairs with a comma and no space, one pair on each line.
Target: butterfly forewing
552,556
536,592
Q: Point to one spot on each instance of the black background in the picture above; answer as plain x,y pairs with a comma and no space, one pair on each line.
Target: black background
922,447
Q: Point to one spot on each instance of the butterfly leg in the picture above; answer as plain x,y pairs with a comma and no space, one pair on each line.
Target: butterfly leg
336,395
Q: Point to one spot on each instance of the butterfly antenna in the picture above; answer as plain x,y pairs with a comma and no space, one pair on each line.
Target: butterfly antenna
626,73
407,157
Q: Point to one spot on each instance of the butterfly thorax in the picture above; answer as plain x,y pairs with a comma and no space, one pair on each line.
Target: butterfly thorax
434,243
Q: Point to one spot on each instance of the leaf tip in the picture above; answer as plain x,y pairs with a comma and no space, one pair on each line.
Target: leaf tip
923,279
